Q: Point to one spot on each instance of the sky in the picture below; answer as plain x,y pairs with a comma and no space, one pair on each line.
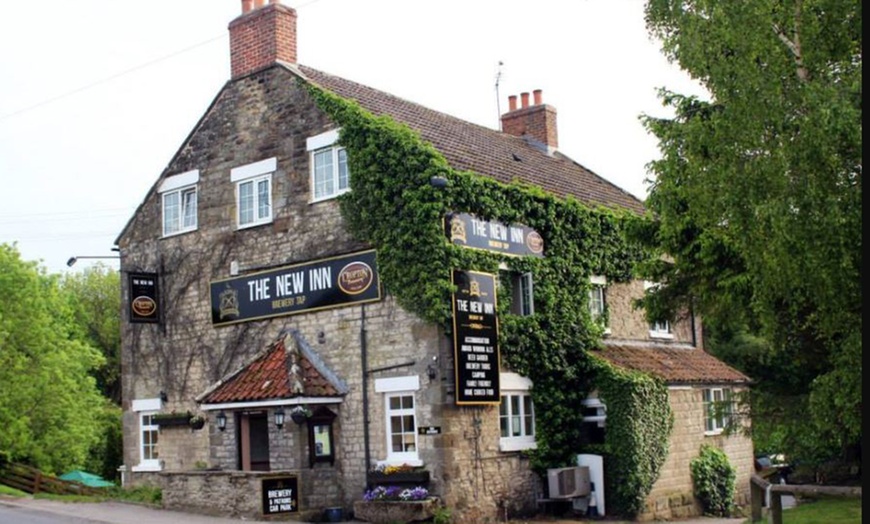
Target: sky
96,96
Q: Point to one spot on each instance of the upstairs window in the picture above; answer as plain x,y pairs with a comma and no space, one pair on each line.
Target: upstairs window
598,301
330,176
718,409
254,192
660,328
521,288
179,197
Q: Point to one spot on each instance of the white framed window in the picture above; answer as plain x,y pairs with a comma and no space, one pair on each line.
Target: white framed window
400,410
254,192
522,291
149,433
179,202
718,409
330,176
658,328
516,413
598,301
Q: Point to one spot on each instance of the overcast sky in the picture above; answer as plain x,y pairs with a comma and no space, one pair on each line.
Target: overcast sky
96,96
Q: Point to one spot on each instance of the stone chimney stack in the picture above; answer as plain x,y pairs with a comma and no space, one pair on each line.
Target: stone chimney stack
261,36
537,121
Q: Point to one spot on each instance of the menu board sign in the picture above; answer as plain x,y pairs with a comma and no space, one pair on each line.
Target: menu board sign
475,338
514,239
321,284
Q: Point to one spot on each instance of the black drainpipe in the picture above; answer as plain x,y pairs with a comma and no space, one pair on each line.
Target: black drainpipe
365,387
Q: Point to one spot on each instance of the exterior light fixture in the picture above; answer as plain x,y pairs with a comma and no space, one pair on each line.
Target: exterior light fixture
299,414
279,418
221,420
72,260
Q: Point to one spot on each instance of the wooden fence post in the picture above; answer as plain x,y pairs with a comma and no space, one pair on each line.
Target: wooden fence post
756,492
775,507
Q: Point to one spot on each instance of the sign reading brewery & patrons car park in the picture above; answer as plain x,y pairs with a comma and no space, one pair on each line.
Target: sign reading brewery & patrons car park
280,495
321,284
475,338
143,297
514,239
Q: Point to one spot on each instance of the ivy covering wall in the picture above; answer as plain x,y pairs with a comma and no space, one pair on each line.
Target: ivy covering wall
394,207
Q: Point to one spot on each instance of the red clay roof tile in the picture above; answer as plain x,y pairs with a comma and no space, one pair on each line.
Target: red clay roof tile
676,365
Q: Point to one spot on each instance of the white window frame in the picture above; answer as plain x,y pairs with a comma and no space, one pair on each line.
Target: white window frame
180,185
715,423
516,386
397,387
254,174
598,295
658,328
146,408
522,288
324,144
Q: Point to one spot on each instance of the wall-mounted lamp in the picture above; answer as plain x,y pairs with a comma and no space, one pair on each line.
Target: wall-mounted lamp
432,369
321,337
279,418
221,420
163,396
72,260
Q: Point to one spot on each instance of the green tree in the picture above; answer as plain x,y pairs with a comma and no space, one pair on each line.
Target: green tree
49,403
757,197
94,297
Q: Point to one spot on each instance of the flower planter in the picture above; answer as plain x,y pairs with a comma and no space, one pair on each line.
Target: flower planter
389,511
403,478
168,420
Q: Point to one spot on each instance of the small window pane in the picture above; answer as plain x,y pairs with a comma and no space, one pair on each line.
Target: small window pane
263,200
189,206
246,203
343,175
395,403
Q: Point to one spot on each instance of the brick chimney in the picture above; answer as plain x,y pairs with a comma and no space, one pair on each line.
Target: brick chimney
537,121
262,35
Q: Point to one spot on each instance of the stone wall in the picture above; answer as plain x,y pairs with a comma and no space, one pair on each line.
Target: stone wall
672,495
628,323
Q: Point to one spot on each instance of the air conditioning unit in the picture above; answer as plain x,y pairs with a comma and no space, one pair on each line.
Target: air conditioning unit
568,483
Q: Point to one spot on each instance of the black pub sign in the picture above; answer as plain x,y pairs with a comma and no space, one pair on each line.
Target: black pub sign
514,239
311,286
144,299
280,495
475,338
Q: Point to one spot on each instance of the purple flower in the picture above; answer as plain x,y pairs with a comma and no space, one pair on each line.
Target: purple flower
395,493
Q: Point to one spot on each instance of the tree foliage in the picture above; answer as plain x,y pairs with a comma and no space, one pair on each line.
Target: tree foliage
94,299
758,193
49,403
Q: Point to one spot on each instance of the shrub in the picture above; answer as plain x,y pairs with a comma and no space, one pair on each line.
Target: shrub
713,478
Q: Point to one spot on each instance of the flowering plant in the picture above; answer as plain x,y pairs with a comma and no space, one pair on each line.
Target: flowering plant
391,469
396,493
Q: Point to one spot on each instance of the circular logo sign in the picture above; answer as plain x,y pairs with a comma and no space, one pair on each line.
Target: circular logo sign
534,242
355,278
144,306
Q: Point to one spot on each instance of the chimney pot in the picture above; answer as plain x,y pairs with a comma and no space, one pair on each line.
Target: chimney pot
258,3
525,98
537,123
538,96
247,5
512,103
262,37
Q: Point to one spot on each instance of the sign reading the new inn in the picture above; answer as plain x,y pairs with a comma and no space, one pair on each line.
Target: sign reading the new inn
321,284
475,342
514,239
143,297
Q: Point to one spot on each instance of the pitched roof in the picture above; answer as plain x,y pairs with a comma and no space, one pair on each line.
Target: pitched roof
674,364
485,151
282,371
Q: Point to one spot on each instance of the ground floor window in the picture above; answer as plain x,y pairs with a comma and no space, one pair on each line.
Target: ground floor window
400,409
148,434
718,409
516,413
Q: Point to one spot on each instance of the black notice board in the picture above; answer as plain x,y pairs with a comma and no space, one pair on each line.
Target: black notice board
475,338
280,495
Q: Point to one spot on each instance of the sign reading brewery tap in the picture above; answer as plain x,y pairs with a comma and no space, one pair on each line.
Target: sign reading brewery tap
321,284
514,239
475,338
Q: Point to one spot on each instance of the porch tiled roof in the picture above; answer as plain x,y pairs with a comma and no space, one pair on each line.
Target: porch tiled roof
674,364
279,372
485,151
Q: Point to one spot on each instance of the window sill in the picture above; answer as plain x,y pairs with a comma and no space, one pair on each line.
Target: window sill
328,197
660,335
147,467
399,462
508,445
713,433
178,233
254,224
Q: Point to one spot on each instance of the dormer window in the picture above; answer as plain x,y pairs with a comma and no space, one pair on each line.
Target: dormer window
330,176
660,328
254,192
179,196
